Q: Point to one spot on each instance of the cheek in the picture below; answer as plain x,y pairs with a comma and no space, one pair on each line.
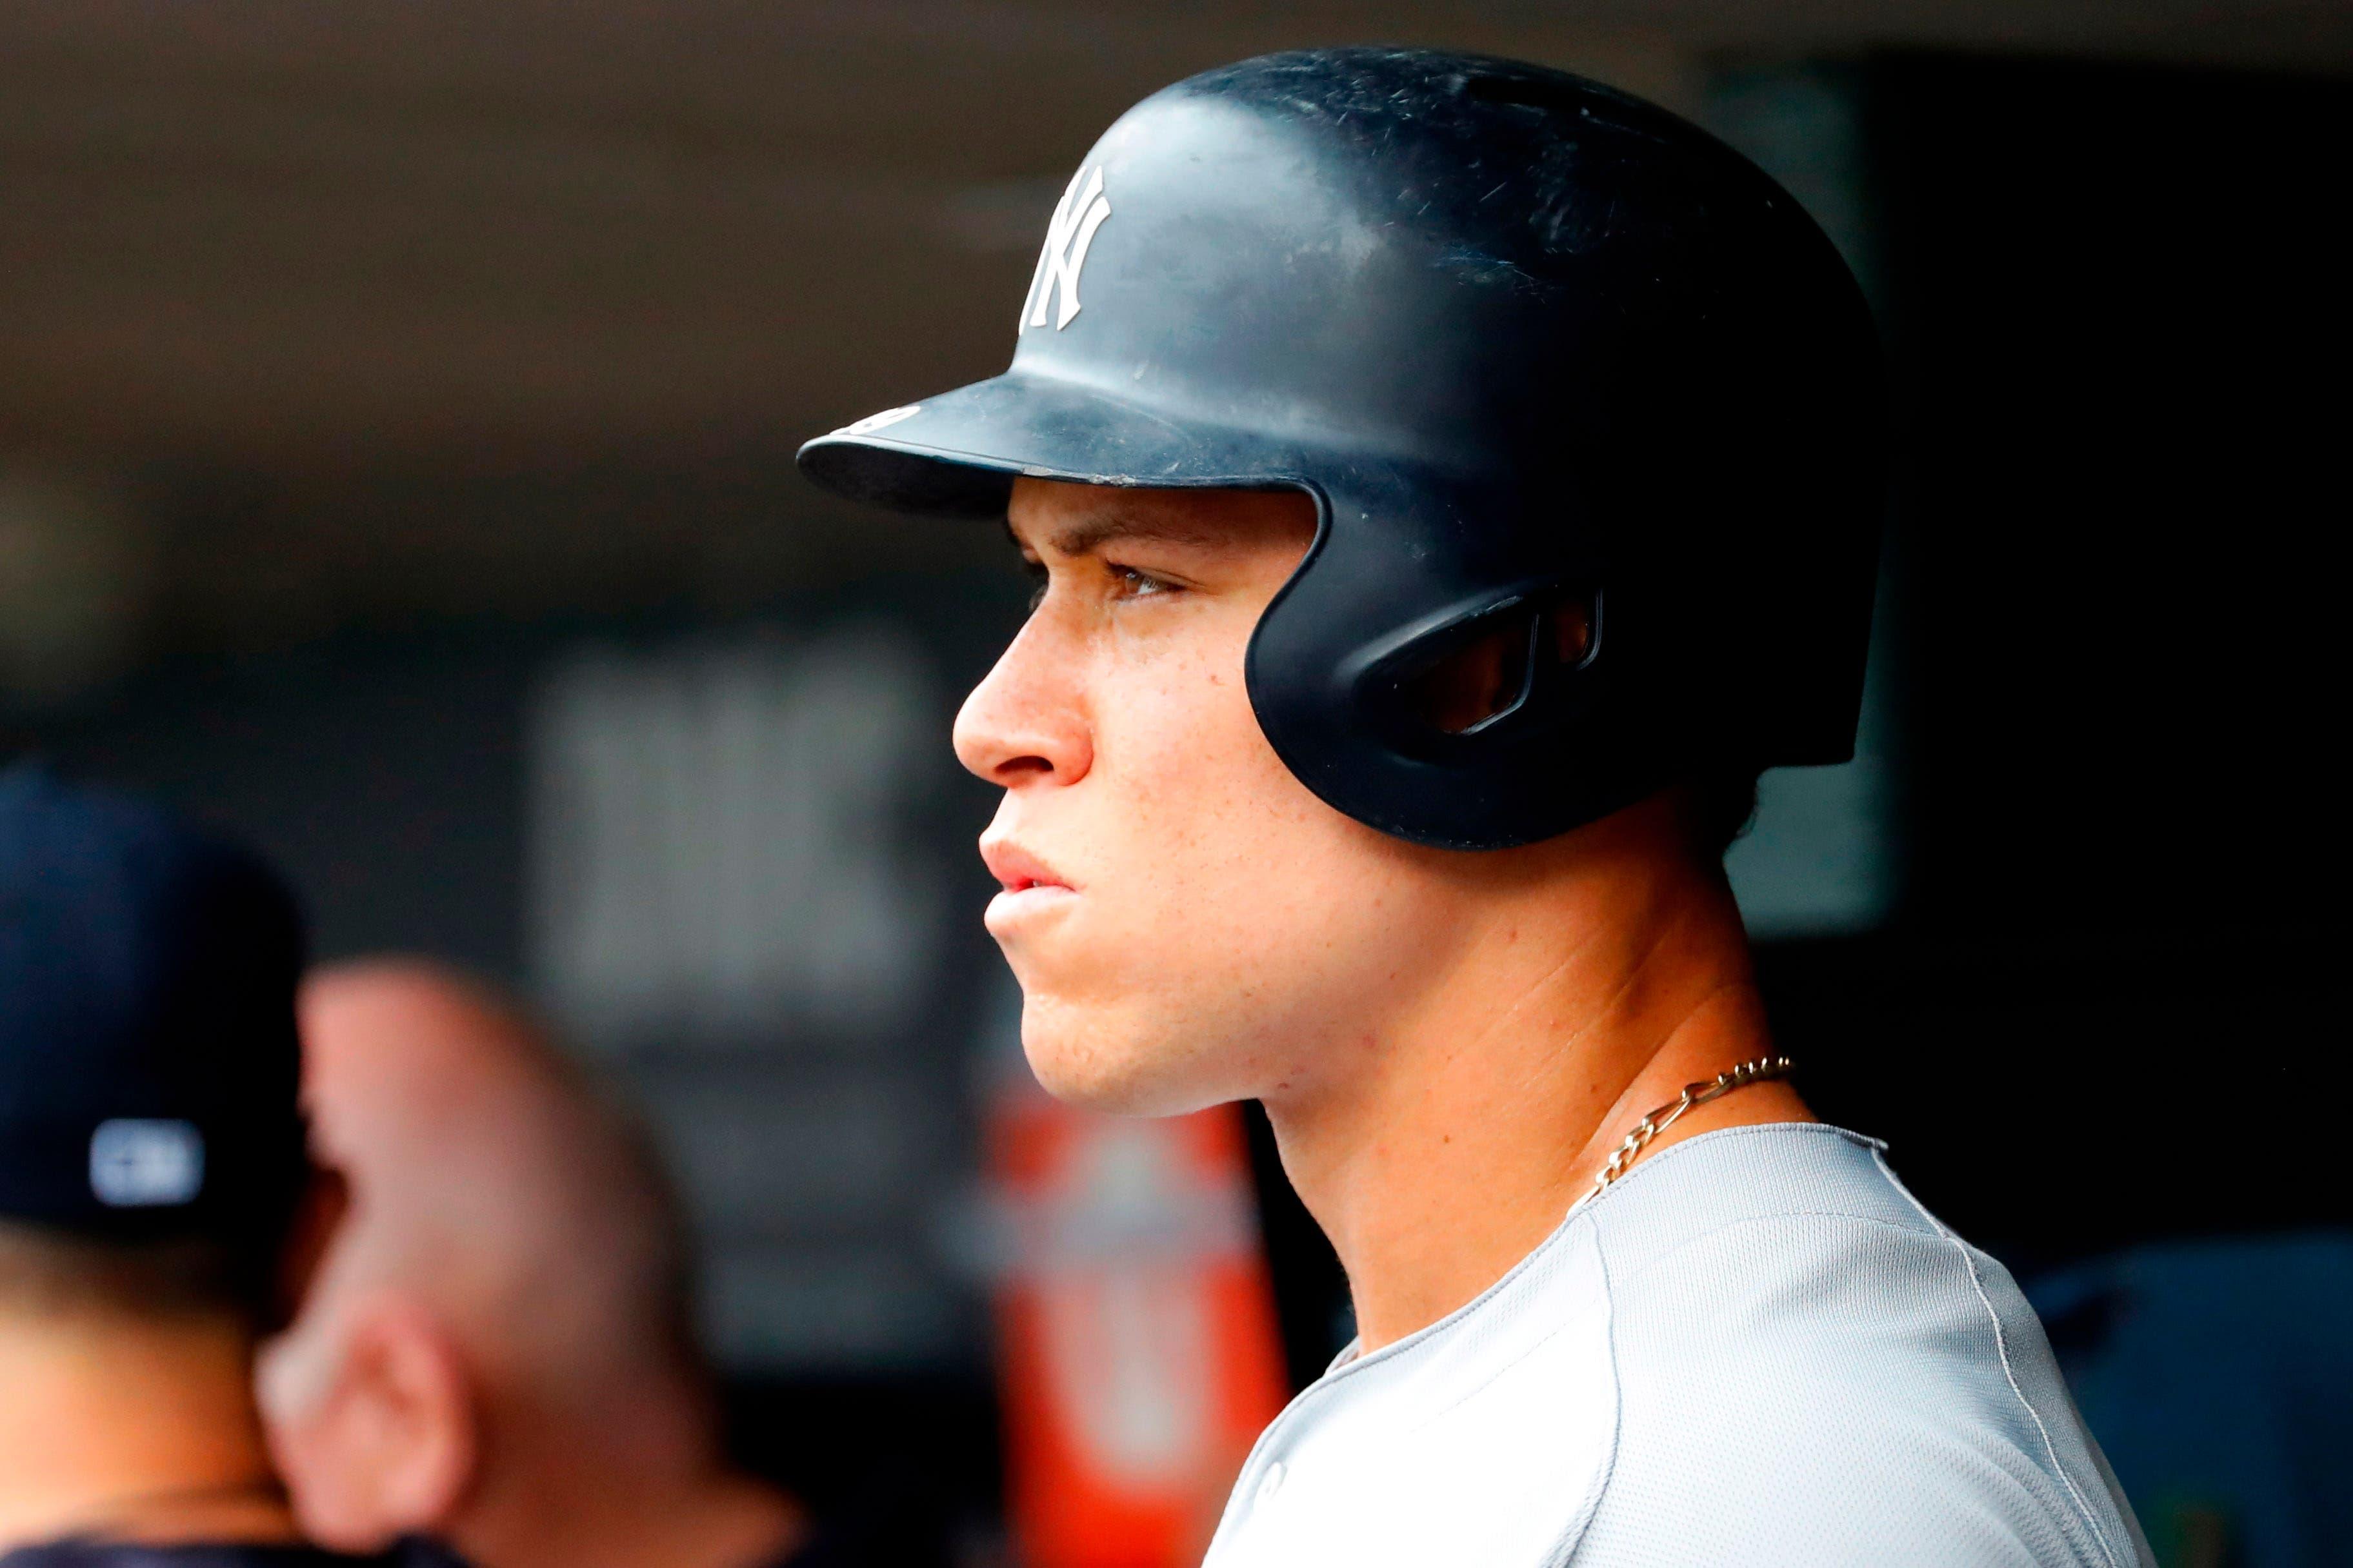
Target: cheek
1186,765
1232,924
1235,880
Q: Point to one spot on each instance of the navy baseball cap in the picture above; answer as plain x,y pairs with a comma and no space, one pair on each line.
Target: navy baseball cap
150,1069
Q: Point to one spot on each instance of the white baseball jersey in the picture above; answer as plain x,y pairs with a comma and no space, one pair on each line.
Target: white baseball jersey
1755,1348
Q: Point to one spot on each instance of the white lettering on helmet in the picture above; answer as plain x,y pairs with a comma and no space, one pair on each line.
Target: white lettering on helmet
1080,213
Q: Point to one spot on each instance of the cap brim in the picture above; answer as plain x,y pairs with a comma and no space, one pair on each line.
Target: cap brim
957,455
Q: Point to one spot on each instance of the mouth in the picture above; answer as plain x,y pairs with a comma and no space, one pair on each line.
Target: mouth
1018,870
1029,884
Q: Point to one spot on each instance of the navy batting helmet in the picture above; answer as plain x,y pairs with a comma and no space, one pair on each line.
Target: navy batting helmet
1559,370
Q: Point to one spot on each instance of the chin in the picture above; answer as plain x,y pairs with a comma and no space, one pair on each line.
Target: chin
1097,1059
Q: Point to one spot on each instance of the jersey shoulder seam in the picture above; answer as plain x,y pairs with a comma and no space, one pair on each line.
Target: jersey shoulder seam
2010,1373
1573,1538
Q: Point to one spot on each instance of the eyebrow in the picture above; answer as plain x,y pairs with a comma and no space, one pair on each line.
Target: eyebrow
1091,533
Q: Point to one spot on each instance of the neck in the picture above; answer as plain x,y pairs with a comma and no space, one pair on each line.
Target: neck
1601,972
627,1489
129,1429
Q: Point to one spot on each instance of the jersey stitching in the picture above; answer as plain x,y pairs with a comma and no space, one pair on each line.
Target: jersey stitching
1493,1378
1398,1350
1550,1335
1572,1539
1429,1333
2009,1374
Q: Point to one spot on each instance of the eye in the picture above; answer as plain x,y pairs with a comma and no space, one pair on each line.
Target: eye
1131,584
1037,583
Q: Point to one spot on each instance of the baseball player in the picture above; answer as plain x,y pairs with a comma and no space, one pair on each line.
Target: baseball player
157,1211
1450,482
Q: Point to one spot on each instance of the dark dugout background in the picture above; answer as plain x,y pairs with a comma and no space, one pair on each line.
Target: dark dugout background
2099,1013
393,409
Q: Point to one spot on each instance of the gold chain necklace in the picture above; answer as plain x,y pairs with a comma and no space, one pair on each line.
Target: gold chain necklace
1758,1072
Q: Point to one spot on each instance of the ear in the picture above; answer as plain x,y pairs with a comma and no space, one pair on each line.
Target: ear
386,1445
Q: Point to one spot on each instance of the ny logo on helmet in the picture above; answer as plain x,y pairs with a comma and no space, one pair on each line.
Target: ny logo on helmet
1080,213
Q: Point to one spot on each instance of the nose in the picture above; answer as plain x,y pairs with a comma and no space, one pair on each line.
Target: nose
1026,723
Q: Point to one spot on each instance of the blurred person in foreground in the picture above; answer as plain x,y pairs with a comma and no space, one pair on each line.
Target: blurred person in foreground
497,1351
1450,482
157,1210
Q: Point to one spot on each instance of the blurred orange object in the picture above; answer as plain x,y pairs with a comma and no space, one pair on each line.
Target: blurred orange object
1139,1352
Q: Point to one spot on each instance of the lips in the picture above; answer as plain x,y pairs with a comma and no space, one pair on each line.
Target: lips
1034,892
1019,871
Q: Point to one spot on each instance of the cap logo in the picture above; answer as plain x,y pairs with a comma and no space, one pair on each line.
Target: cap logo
1080,213
146,1164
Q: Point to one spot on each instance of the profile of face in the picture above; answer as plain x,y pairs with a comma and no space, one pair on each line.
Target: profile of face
1189,923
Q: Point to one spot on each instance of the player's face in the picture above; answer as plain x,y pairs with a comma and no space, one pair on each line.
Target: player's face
1189,923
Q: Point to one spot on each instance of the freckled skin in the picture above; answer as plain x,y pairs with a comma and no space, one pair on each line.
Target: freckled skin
1229,924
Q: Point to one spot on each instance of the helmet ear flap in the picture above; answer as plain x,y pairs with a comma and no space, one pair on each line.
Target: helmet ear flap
1510,665
1564,638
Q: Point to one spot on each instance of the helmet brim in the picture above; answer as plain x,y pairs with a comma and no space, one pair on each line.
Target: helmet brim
957,455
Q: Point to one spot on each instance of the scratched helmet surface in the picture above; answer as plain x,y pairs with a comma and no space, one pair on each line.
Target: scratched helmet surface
1562,373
